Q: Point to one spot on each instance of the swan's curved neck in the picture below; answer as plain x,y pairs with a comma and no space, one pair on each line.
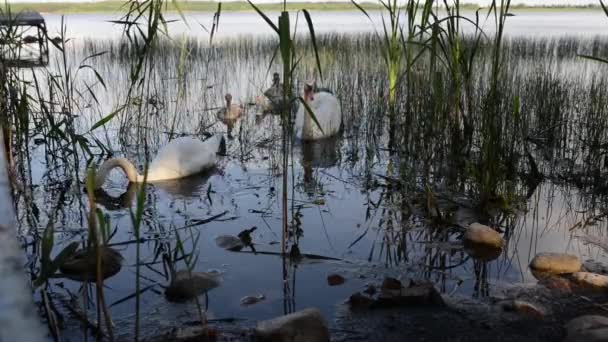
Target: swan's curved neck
122,163
308,97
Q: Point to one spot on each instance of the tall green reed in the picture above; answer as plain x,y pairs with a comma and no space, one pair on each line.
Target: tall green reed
290,61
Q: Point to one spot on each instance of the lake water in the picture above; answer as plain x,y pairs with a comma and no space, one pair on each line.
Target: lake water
526,23
346,209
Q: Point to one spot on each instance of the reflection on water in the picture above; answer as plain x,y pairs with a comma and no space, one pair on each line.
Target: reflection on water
122,201
191,186
352,213
317,155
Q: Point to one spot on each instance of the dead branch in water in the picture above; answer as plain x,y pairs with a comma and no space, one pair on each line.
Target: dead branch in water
589,221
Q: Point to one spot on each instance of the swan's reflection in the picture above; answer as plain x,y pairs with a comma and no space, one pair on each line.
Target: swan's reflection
121,201
188,186
323,153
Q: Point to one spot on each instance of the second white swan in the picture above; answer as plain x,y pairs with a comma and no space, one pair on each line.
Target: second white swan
180,158
327,111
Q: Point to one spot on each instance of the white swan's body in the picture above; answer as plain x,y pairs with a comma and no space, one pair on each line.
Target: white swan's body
327,111
180,158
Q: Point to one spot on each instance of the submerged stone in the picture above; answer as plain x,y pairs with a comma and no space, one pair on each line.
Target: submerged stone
416,294
391,284
196,333
423,294
556,283
589,328
482,252
82,266
370,290
306,325
545,264
335,279
186,285
359,301
229,242
523,307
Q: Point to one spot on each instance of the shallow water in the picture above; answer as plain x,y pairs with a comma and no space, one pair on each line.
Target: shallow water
348,211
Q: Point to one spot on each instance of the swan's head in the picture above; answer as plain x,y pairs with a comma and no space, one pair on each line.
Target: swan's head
276,79
228,98
309,90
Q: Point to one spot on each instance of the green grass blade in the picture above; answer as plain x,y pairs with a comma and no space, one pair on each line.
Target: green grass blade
593,58
106,119
361,9
264,16
311,29
216,22
311,113
604,7
285,38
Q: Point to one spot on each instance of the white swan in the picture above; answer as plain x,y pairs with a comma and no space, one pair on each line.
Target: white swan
180,158
327,111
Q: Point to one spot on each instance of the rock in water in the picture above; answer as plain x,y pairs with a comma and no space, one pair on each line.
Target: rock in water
482,252
187,334
335,279
389,284
557,283
307,325
229,242
415,294
83,264
186,285
590,328
391,297
590,280
522,307
482,235
359,301
545,264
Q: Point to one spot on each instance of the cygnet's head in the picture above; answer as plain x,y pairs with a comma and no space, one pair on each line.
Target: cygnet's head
309,90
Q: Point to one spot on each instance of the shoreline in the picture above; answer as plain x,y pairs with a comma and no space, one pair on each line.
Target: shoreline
112,6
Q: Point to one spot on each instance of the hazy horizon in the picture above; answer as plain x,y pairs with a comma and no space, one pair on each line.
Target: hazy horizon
476,2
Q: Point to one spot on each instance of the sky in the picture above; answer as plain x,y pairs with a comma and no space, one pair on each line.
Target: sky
478,2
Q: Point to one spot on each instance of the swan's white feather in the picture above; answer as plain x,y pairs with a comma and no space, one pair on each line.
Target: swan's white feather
328,113
183,157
